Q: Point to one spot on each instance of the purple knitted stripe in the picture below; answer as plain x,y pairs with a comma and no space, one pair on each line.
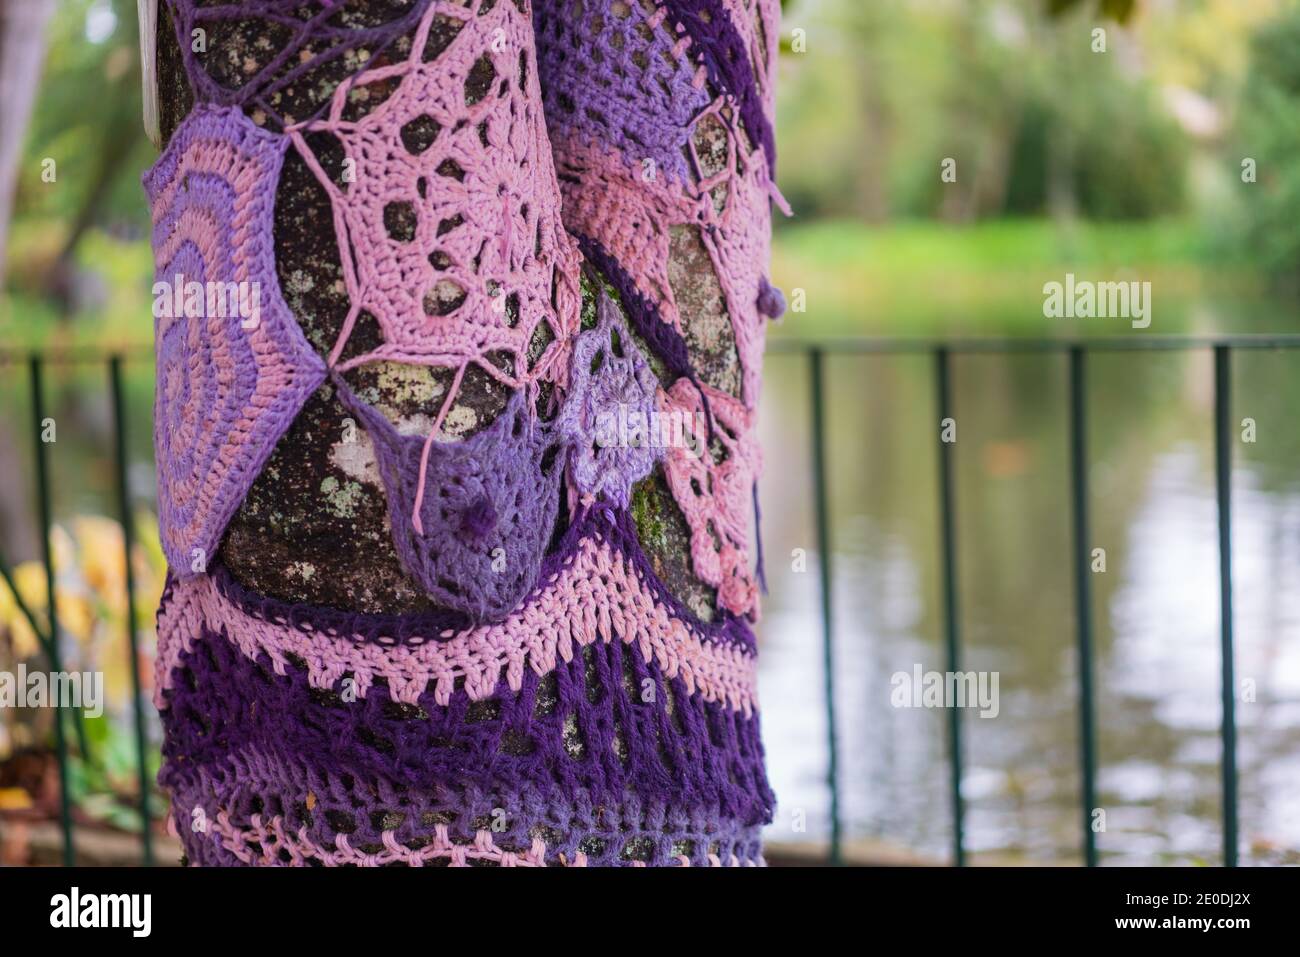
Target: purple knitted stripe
727,61
636,733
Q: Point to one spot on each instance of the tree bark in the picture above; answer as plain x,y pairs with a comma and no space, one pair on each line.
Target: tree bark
314,528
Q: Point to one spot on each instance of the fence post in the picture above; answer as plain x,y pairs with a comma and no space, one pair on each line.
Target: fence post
1223,487
128,543
947,517
52,617
821,505
1083,594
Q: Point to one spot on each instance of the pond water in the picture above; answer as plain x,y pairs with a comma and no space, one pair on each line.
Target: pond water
1156,605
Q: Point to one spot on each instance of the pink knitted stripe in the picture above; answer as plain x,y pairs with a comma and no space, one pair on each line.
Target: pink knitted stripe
262,842
596,597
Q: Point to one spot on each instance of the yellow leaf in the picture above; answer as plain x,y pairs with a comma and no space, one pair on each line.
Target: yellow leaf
14,799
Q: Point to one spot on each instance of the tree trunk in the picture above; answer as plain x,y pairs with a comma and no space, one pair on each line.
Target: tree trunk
22,51
317,528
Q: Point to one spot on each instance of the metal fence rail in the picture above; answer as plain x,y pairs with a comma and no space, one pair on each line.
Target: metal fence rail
941,353
48,632
1077,352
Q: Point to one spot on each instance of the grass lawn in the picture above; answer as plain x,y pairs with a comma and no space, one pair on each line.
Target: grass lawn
928,278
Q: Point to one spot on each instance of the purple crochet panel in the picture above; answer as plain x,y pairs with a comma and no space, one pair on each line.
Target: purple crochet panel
645,98
658,62
486,510
609,415
233,367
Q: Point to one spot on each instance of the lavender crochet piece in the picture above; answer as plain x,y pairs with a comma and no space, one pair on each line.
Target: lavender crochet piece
561,707
487,505
228,385
624,207
610,414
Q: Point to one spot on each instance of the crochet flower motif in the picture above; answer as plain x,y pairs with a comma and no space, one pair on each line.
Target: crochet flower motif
609,416
229,385
445,203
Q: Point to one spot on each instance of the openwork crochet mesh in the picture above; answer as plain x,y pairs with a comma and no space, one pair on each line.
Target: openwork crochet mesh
561,706
455,247
582,721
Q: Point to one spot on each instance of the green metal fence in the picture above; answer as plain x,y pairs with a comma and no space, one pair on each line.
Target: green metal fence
815,354
47,631
1077,352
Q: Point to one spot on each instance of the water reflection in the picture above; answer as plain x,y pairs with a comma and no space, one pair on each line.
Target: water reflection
1155,605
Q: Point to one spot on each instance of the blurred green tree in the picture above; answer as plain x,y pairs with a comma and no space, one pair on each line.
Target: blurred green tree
87,119
1120,10
1010,90
1269,134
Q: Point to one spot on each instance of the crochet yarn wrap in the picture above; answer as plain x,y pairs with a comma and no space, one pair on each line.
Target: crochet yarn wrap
561,706
598,724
